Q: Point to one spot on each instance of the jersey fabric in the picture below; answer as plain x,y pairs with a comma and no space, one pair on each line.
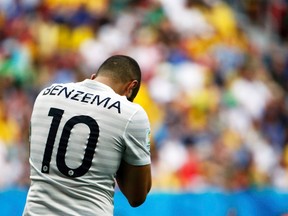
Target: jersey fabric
80,132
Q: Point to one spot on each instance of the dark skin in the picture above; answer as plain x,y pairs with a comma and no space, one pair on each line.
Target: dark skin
134,181
123,89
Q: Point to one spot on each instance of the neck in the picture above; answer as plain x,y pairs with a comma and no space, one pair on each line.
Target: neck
118,87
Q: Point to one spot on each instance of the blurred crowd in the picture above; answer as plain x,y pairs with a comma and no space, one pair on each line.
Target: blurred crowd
215,81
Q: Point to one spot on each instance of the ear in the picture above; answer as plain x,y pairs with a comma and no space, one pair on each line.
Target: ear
133,84
131,90
93,76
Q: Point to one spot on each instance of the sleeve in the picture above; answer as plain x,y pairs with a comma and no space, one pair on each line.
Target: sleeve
137,139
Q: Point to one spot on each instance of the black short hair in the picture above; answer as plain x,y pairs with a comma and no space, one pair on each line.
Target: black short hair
120,68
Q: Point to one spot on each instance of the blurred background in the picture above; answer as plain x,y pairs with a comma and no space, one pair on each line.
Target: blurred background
215,80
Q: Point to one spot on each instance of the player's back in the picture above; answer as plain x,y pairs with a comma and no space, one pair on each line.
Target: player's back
76,145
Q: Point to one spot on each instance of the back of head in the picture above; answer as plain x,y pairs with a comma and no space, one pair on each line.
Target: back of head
121,68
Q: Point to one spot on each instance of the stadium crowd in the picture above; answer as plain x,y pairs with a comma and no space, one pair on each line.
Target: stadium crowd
215,81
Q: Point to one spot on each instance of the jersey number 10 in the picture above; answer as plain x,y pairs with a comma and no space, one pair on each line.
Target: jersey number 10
64,138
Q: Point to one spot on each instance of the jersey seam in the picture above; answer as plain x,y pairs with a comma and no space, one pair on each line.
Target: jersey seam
128,122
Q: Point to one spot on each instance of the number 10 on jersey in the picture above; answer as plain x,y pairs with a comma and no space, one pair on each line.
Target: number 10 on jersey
91,143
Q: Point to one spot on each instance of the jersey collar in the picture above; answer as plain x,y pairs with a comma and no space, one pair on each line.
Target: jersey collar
96,85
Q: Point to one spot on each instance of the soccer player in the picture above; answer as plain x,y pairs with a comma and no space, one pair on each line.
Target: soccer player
85,135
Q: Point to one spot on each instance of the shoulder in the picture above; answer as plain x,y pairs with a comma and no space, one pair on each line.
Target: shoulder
134,108
138,117
139,111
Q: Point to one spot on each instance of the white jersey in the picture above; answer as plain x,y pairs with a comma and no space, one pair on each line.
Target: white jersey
79,134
